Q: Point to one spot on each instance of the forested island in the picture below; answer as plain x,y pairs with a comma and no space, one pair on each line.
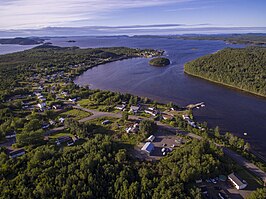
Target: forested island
241,68
60,151
22,41
159,61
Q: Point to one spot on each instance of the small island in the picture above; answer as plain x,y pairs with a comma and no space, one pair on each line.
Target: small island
159,61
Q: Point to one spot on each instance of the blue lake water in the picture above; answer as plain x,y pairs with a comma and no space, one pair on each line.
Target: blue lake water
230,109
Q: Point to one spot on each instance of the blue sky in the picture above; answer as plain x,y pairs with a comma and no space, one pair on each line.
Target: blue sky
35,14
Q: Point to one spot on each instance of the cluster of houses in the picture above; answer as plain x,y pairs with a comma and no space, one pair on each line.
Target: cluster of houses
148,110
150,54
189,121
133,128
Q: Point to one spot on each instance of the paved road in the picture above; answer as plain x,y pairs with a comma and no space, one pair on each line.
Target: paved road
238,158
245,163
98,114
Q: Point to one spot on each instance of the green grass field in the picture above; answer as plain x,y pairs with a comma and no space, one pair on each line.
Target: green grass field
76,114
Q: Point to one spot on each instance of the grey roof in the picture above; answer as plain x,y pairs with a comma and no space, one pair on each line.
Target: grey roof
236,179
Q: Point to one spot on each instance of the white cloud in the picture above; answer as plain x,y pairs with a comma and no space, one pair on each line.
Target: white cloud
41,13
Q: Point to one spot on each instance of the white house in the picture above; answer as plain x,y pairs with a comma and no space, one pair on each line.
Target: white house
237,181
120,107
61,120
151,138
41,105
72,99
134,109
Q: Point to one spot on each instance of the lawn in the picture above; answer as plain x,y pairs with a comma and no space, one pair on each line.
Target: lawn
76,114
57,135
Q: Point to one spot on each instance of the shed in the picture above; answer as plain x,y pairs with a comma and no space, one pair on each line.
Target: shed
16,153
148,147
237,181
151,138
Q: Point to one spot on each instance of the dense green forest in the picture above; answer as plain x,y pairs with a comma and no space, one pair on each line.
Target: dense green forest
243,68
159,61
250,38
103,162
100,168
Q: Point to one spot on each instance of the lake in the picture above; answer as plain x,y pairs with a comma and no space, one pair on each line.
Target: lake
230,109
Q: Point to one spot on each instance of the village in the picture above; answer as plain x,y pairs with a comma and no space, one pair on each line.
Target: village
51,101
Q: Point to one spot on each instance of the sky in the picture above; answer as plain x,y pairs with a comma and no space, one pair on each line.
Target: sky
128,15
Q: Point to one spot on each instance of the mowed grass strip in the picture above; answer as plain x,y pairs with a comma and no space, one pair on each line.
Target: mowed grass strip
76,114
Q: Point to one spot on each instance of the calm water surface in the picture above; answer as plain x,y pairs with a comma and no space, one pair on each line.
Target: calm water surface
229,109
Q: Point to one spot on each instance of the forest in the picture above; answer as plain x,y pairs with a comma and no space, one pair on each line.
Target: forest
100,164
100,168
242,68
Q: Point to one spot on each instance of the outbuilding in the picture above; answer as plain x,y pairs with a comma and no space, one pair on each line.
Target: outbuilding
16,153
151,138
148,147
237,181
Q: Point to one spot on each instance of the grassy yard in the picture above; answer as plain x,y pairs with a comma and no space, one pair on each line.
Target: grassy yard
76,114
86,103
57,135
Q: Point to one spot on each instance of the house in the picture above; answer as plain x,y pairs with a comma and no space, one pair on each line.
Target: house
41,105
106,122
120,107
133,129
61,120
16,153
52,122
72,99
63,139
56,106
134,109
189,121
10,135
151,138
148,147
70,143
167,117
153,113
237,181
45,126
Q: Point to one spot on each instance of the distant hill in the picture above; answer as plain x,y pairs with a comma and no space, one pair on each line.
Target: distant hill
22,41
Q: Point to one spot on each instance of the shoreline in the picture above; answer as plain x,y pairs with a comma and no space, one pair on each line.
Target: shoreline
226,85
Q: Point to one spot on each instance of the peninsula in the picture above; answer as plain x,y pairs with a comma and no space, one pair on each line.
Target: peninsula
241,68
22,41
